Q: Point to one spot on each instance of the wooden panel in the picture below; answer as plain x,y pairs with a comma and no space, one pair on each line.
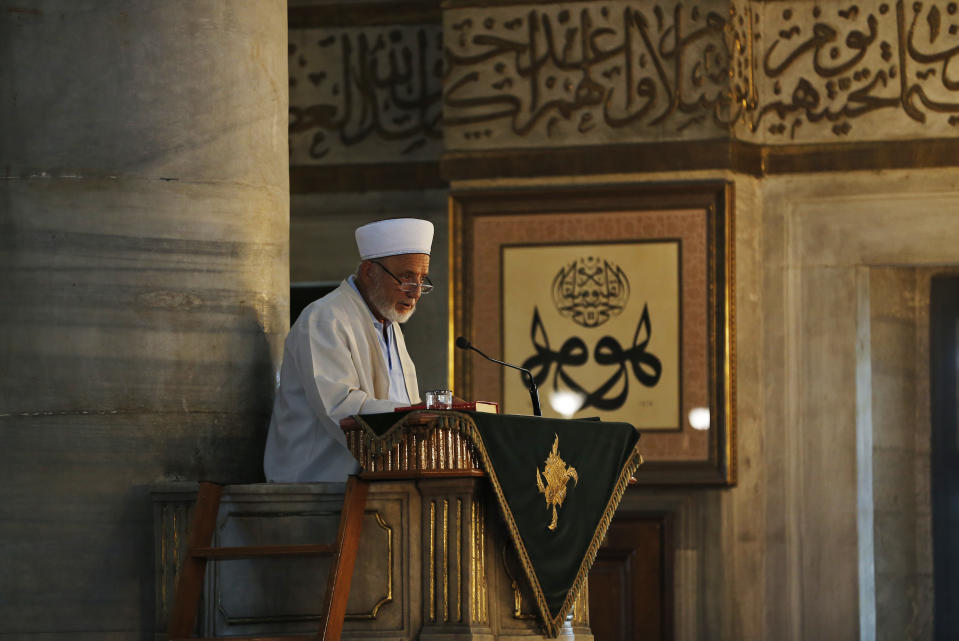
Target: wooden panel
631,585
609,592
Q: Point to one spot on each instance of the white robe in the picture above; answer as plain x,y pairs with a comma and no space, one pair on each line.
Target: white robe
333,367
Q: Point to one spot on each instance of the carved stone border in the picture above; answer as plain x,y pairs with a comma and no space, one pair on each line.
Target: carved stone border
740,157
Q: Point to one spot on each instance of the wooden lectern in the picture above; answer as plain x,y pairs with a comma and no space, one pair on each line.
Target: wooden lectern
436,561
472,583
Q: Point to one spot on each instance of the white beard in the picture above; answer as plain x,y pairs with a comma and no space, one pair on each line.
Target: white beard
383,306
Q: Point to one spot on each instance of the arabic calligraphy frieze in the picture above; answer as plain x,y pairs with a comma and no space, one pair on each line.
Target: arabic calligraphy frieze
595,72
770,73
365,94
858,70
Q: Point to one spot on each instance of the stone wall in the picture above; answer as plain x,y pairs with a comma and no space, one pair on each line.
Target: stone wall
846,505
143,286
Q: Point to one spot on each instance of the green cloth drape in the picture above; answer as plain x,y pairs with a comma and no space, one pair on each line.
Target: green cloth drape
514,451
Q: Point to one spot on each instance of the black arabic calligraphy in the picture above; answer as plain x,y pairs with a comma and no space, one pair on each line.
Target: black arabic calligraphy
559,66
387,88
676,67
581,70
613,392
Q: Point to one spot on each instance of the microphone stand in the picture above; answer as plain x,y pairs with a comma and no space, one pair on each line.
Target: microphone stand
462,343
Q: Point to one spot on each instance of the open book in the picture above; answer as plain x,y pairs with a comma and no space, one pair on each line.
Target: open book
490,407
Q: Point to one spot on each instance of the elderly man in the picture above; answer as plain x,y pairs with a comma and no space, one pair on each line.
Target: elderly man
345,355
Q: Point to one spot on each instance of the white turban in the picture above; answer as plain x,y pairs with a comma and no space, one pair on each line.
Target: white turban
394,236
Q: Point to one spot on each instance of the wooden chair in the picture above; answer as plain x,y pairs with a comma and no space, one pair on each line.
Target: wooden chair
189,586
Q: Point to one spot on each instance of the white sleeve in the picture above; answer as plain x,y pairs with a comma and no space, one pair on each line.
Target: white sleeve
329,356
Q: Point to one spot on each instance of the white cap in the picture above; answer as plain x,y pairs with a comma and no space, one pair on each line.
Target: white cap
394,236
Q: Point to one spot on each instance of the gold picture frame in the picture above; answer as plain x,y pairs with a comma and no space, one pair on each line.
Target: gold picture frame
652,343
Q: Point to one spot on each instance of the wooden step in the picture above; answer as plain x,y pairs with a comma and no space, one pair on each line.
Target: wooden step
189,589
256,551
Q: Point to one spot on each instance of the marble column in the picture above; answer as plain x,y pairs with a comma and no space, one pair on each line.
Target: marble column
144,211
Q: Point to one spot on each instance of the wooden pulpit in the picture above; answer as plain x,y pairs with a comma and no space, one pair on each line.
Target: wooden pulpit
436,559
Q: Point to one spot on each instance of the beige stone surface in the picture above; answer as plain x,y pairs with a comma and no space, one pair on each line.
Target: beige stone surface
832,227
143,285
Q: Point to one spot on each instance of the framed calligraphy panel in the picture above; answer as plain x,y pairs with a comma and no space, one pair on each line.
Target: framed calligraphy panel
618,299
598,324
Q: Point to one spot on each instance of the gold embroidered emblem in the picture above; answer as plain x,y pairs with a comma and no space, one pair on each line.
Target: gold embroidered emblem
556,475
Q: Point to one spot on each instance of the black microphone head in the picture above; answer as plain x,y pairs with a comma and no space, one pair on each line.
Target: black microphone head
462,343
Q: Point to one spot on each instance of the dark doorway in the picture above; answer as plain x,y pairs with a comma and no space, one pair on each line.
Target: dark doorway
944,359
302,294
631,583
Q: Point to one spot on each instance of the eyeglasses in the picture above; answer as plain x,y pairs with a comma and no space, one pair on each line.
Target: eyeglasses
408,286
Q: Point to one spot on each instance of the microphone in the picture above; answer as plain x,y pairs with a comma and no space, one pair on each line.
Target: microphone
462,343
